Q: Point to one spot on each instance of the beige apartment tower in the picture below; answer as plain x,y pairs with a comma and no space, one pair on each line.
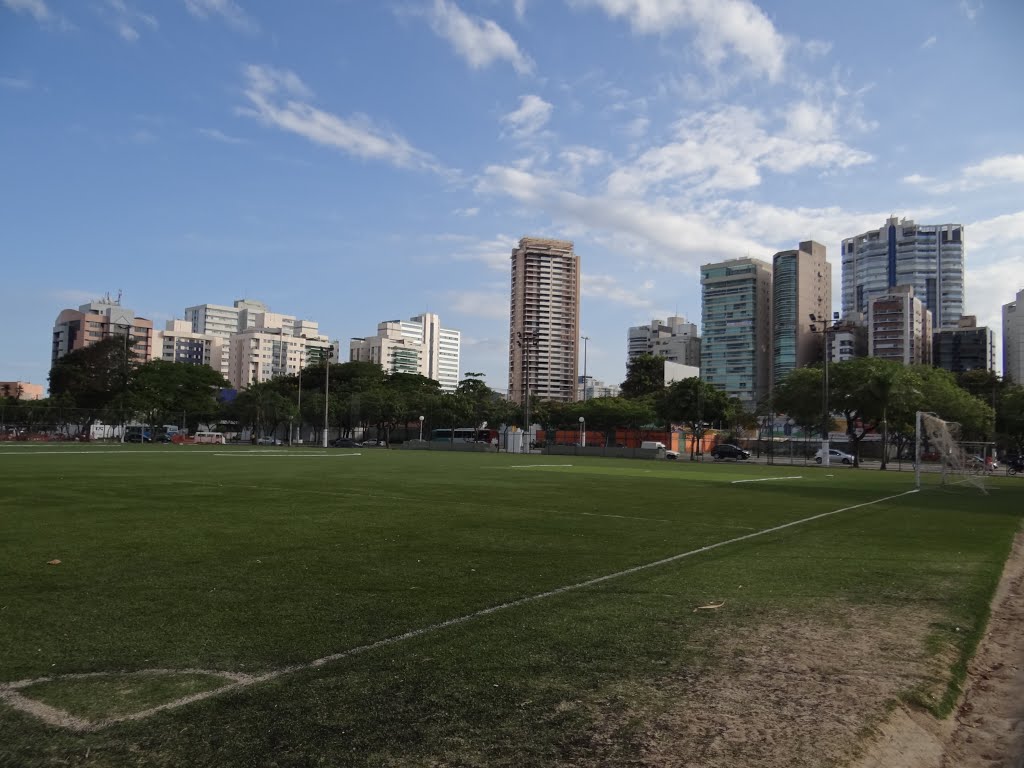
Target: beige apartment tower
900,327
801,290
544,321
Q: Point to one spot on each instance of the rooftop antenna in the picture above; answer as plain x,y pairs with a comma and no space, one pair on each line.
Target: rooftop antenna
118,302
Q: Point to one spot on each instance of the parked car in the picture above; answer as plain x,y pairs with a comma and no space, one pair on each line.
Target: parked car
345,442
268,441
672,455
834,456
135,437
729,451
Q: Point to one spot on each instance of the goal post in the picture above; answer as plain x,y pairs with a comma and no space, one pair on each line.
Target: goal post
938,449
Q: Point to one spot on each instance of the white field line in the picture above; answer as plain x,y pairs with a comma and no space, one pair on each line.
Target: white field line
766,479
8,691
253,454
625,517
535,466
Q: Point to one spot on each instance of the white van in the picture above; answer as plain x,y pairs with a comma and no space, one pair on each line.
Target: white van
209,438
652,445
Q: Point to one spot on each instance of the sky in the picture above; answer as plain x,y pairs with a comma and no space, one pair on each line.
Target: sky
355,161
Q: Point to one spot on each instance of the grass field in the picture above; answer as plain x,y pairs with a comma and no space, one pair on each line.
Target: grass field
258,570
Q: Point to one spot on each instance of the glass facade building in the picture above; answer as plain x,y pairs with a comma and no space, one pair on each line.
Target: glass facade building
928,257
736,342
801,288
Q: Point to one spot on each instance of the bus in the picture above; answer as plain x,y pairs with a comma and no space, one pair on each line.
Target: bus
464,435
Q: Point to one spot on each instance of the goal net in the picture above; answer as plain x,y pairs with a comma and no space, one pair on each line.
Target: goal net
941,454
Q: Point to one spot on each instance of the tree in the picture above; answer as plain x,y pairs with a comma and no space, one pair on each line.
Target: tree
645,375
798,396
1011,417
694,403
607,413
164,391
95,378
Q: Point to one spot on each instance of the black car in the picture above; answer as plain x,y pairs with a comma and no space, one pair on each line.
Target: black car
729,451
345,442
135,437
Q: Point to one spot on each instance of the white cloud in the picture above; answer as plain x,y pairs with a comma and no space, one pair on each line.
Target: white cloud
466,212
216,135
479,41
278,98
228,10
15,83
1004,230
493,253
37,9
971,8
818,48
728,148
520,8
531,116
637,127
1002,168
494,305
929,42
721,27
992,170
127,20
610,289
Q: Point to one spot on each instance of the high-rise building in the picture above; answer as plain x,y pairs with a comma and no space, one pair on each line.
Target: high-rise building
544,320
900,327
928,257
590,388
966,348
77,329
269,349
801,292
223,322
736,345
178,343
1013,339
849,338
675,339
418,345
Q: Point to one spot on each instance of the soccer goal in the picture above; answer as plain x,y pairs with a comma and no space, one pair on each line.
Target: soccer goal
939,452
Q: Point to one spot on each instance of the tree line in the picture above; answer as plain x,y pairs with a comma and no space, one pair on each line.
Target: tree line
103,382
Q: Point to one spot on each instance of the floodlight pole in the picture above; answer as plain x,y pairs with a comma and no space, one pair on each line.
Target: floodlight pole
917,451
585,340
327,389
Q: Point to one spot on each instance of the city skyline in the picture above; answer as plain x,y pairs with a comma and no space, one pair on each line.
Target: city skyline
311,158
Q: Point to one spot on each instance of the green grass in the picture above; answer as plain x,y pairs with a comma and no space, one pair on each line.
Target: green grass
180,558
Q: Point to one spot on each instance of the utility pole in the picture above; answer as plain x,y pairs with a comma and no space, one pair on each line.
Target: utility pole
327,388
524,339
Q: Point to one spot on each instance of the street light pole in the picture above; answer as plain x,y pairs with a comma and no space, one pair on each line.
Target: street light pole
327,389
827,327
585,340
300,394
421,429
583,432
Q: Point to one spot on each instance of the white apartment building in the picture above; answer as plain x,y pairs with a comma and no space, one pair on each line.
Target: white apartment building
178,343
260,353
223,322
590,388
676,339
418,345
928,257
1013,339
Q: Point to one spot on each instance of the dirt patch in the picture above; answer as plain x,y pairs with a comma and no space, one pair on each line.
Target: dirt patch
987,730
788,692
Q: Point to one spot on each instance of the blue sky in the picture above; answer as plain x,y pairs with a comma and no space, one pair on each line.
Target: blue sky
352,161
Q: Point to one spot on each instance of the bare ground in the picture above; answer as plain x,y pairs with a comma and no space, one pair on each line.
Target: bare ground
794,693
987,730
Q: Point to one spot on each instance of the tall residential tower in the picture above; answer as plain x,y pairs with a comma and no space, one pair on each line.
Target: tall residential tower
930,258
736,346
544,320
1013,339
801,291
